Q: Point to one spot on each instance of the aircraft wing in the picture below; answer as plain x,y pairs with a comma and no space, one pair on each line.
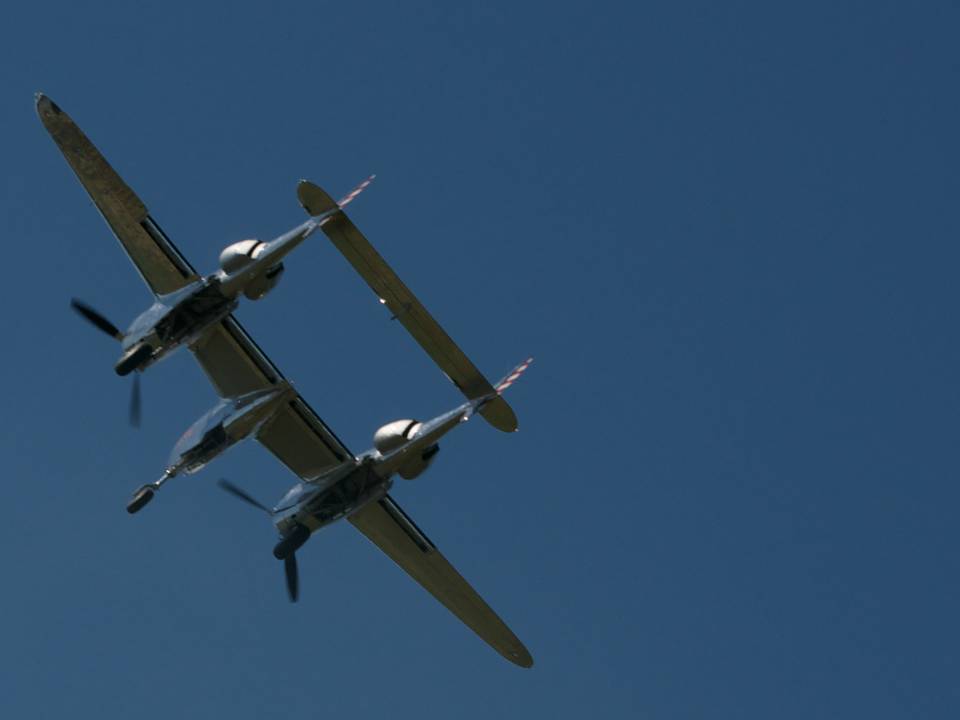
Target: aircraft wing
296,435
159,263
405,307
390,529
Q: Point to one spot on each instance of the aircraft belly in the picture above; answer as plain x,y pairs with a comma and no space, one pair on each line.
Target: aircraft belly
190,318
214,442
342,499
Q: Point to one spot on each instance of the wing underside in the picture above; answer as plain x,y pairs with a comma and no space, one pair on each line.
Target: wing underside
296,435
390,529
157,260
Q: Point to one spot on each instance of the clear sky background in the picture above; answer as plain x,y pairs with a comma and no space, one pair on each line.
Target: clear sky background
728,233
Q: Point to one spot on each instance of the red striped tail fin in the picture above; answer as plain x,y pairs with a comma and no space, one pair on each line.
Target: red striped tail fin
512,376
317,202
351,196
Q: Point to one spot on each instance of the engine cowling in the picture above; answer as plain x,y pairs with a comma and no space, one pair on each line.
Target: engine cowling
416,465
392,435
264,282
237,256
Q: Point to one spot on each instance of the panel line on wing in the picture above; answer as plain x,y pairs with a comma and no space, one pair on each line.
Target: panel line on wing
295,406
403,520
176,258
271,373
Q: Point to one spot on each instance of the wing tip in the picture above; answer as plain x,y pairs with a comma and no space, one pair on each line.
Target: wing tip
497,411
520,657
499,414
46,108
314,199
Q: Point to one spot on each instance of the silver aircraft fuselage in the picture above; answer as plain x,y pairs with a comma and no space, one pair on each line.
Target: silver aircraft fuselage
224,425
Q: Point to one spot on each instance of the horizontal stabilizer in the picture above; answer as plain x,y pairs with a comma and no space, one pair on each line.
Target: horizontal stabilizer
496,411
316,201
410,312
404,306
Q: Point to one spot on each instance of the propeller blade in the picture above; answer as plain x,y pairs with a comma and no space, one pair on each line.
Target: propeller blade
135,401
237,492
293,580
96,319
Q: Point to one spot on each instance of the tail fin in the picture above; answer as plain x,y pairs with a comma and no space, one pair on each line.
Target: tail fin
317,202
512,376
350,196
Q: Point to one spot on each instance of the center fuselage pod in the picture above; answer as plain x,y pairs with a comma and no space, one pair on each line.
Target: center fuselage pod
226,424
229,422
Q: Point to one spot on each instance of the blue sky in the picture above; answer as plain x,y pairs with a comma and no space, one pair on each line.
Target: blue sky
728,236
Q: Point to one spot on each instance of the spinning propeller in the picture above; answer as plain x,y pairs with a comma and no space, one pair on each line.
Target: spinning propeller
96,319
289,558
105,326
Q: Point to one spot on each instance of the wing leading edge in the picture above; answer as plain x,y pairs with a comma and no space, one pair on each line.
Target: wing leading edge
390,529
157,260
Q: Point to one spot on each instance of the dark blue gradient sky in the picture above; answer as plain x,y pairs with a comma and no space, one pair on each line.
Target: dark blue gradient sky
728,233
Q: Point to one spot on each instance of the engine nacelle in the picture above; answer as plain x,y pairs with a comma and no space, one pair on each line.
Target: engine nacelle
392,435
237,256
416,465
264,283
